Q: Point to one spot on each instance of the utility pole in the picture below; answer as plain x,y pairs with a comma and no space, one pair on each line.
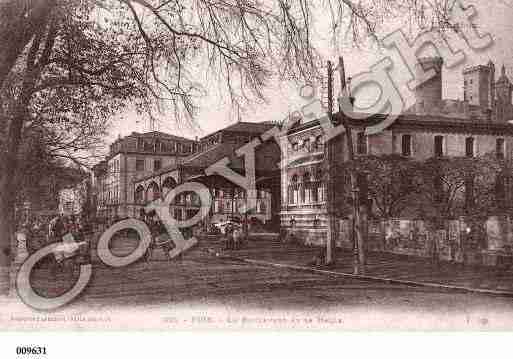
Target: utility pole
330,200
359,250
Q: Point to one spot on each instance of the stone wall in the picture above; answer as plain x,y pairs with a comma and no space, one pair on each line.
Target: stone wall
456,240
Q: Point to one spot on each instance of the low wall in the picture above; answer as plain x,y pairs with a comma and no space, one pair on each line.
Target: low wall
488,244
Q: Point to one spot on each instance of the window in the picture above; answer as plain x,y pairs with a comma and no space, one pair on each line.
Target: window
406,145
439,146
500,190
216,206
295,146
499,148
140,144
318,143
363,187
178,214
469,147
469,192
293,190
318,188
438,188
306,189
306,144
504,190
361,143
157,165
139,165
139,194
68,206
263,208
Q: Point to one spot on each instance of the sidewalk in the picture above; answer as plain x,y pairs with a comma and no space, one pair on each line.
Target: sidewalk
381,266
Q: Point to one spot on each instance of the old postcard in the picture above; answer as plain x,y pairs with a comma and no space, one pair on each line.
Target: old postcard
245,164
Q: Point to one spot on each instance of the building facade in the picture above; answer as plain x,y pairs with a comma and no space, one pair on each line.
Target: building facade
131,157
434,127
75,200
229,200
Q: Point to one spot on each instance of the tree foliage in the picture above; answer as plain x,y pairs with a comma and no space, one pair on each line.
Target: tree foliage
389,182
460,186
242,42
386,184
437,188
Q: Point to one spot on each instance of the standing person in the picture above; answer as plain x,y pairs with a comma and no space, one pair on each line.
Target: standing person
51,226
434,250
237,237
58,229
37,234
228,233
453,247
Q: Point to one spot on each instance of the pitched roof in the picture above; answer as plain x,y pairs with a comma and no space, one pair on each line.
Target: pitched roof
437,122
212,155
248,127
154,134
255,127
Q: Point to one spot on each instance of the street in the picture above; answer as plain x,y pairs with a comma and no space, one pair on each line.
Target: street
202,285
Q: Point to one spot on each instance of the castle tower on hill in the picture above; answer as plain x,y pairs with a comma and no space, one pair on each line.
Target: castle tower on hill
428,95
478,85
503,88
484,97
503,97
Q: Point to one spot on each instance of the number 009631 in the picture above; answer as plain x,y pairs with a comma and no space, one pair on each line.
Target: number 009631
30,350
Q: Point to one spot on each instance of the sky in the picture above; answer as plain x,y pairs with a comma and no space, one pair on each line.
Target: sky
493,16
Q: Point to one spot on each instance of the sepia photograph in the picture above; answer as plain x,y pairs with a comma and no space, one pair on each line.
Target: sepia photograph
240,165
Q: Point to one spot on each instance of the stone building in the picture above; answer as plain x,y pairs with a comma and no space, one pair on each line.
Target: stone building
434,127
74,200
229,200
130,157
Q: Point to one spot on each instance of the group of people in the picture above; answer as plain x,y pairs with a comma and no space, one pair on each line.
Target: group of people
233,236
40,231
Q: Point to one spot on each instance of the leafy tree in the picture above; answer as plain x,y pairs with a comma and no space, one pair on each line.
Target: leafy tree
41,176
388,182
460,186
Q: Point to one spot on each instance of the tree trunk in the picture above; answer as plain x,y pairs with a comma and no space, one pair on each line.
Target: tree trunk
19,21
6,228
361,235
7,201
